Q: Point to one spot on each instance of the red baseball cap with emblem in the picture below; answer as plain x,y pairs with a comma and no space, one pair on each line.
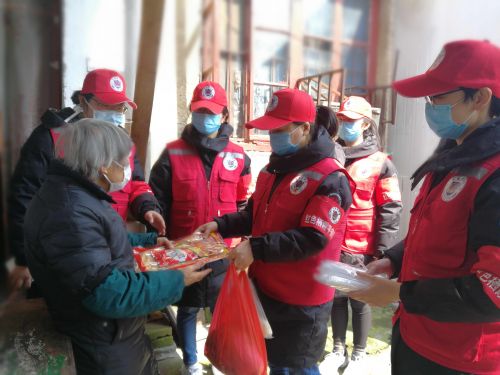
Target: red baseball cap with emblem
464,63
286,106
108,87
209,95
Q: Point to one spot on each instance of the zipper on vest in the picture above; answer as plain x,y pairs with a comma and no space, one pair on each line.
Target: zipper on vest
209,200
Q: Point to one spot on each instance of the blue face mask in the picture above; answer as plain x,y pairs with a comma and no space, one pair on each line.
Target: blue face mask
206,123
351,131
116,118
281,143
440,121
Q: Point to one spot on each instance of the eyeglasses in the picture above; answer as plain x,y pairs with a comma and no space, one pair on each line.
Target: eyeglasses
120,165
120,107
432,98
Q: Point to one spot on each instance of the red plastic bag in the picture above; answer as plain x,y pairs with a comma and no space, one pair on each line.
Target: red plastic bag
235,344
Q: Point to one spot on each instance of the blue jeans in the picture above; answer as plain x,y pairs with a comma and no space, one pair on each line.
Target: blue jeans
186,328
275,370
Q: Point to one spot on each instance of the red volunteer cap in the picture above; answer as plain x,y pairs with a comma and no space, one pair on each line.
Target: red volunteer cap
285,106
209,95
108,87
464,63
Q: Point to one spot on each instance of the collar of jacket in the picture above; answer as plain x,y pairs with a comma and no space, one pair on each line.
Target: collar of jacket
368,147
57,168
204,143
481,144
52,118
317,150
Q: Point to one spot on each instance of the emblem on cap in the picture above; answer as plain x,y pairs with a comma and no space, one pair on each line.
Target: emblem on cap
273,103
230,162
298,184
438,60
116,83
334,215
453,187
207,92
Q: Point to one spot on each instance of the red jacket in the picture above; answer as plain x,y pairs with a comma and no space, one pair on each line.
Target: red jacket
129,193
371,192
436,247
293,204
196,200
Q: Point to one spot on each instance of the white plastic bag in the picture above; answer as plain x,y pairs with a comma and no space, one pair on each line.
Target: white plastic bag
267,331
340,276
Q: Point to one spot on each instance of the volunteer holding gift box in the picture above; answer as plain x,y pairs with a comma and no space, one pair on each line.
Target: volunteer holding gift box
297,218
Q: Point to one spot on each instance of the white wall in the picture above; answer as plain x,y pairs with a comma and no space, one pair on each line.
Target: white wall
421,29
99,34
178,73
105,34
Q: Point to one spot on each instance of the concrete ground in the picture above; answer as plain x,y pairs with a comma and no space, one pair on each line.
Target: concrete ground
378,360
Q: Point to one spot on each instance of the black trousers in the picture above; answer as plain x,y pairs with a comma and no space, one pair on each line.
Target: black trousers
404,361
299,332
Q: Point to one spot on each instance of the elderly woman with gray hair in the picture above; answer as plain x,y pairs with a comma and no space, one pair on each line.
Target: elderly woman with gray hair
77,250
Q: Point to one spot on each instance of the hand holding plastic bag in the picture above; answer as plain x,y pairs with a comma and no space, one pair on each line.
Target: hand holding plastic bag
235,343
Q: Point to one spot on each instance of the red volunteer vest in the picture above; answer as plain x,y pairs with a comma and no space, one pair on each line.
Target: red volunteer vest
293,204
361,233
436,247
195,200
122,197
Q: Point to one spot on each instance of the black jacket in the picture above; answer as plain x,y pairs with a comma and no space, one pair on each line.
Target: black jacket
66,212
297,243
388,214
459,299
31,170
204,293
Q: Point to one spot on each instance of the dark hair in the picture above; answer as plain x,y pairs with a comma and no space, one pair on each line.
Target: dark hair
326,117
75,98
225,114
495,102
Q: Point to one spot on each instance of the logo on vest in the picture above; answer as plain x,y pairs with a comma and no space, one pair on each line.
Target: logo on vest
116,83
334,215
230,162
453,187
298,184
208,92
363,173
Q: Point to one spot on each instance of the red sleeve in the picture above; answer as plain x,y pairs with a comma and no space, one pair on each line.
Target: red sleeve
387,190
138,188
242,192
487,270
322,213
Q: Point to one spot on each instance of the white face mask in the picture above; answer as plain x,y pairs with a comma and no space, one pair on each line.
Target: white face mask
117,186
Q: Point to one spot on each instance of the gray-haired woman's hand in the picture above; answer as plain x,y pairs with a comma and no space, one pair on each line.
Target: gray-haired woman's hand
192,274
164,241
